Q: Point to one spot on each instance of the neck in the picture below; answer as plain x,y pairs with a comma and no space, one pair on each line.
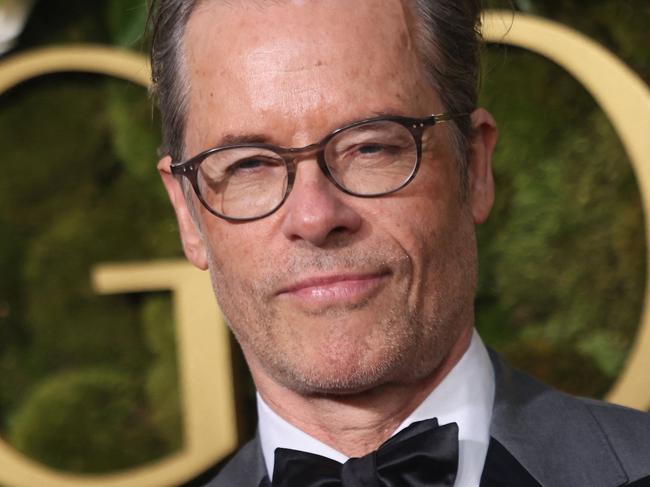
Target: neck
359,423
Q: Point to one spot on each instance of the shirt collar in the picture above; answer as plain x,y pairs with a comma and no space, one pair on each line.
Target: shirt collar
465,396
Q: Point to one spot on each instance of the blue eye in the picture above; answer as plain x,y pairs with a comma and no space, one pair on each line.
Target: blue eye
371,149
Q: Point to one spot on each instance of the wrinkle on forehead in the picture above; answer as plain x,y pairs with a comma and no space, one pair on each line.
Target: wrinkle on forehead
306,67
401,11
274,53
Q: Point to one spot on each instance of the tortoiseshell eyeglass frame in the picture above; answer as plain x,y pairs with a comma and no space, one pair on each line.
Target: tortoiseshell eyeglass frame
416,126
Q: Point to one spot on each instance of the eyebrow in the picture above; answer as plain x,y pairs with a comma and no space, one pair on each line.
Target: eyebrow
385,113
235,139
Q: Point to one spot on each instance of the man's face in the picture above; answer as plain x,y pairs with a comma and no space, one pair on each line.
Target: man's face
332,293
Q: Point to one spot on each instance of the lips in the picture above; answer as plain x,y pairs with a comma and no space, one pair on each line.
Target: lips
333,289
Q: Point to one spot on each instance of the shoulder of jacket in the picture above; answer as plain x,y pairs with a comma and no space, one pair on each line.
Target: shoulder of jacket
245,468
606,440
628,433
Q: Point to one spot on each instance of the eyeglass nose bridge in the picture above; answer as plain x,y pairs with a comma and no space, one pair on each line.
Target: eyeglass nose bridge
292,156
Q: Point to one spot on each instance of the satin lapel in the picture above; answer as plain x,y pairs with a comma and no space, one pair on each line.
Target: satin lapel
553,436
503,470
644,482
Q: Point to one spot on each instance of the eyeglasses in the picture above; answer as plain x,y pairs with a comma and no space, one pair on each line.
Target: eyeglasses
368,158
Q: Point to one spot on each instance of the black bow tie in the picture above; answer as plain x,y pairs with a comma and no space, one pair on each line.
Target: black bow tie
423,454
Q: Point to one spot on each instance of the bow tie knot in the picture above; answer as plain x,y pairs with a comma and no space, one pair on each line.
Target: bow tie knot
423,454
360,471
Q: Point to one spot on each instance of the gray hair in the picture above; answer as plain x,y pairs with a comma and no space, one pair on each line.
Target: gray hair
447,38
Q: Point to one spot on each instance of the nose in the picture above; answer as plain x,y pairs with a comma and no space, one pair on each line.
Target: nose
316,211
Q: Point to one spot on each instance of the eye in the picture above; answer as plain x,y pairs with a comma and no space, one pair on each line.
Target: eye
369,149
374,149
251,165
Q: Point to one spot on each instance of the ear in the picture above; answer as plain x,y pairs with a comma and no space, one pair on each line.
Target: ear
193,244
481,182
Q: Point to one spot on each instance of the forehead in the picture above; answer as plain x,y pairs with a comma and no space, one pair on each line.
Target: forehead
304,62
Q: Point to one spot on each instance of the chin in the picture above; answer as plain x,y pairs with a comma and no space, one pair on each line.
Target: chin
339,356
343,384
349,373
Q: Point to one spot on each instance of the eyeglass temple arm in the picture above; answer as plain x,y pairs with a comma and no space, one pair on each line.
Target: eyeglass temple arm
443,117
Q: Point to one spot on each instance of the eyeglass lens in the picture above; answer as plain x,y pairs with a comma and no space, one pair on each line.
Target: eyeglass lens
367,160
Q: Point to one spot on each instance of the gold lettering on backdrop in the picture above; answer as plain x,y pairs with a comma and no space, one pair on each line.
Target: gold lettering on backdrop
110,61
625,99
203,348
209,422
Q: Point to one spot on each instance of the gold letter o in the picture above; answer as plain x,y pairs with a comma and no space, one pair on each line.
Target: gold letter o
625,99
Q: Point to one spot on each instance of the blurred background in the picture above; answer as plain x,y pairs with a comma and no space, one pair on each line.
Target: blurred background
88,383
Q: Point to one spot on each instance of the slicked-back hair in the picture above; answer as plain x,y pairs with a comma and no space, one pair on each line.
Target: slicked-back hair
447,40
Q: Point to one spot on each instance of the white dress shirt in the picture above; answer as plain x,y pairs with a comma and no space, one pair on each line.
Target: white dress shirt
465,396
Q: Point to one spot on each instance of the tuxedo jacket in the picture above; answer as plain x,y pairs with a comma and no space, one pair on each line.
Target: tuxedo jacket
558,439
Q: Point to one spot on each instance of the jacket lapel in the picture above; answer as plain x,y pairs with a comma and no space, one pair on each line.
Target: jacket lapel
503,470
552,435
245,469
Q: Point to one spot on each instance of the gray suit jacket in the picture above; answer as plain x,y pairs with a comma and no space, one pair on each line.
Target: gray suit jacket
561,440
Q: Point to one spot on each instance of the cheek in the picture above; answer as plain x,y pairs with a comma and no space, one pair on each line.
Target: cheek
244,258
428,225
418,219
233,251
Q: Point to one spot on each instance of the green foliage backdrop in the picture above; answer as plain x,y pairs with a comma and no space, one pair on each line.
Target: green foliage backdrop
89,384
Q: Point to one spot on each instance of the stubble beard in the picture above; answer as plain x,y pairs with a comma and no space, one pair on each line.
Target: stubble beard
404,346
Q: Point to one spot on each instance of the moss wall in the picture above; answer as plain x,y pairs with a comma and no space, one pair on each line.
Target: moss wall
88,383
